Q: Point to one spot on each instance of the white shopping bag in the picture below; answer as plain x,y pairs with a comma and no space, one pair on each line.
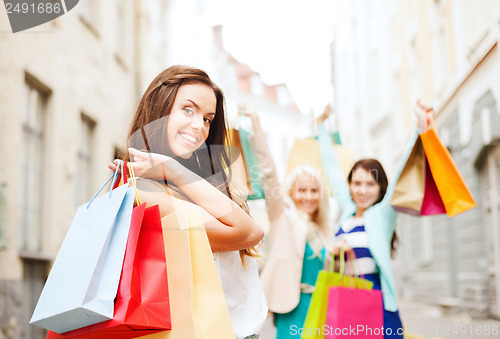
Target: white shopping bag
83,282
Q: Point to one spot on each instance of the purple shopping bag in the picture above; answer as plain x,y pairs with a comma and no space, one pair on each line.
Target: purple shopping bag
354,313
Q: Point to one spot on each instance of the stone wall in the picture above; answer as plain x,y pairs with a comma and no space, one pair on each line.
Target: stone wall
11,310
474,294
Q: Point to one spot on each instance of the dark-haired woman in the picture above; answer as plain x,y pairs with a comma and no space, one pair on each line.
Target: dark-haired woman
368,221
177,141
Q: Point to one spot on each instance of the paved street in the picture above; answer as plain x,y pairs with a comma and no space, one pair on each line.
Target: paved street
427,321
423,321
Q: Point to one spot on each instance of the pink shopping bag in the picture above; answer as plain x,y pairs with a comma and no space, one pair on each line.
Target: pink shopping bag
354,313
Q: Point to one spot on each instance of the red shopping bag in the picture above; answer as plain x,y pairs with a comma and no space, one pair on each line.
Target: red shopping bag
432,204
142,304
354,313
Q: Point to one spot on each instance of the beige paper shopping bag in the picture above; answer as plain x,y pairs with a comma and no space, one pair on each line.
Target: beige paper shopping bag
197,304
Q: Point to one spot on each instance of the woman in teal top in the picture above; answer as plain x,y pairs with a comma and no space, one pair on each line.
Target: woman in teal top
296,241
284,321
367,197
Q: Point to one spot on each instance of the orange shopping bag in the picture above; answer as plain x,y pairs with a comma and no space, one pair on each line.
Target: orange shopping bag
450,184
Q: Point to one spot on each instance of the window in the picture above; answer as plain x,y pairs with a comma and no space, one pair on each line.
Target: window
486,119
84,163
121,31
439,48
33,164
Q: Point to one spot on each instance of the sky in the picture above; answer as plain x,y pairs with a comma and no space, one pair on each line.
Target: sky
285,41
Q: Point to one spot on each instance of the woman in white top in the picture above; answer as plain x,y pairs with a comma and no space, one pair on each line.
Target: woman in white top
180,126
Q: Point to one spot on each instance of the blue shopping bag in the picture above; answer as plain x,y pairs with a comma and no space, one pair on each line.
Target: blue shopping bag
83,282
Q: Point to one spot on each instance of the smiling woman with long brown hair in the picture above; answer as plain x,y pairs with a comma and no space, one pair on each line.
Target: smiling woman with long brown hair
177,141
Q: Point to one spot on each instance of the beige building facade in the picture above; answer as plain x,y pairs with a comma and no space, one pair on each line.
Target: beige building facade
68,92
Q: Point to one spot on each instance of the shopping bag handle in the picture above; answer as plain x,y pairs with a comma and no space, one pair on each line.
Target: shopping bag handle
122,176
342,266
353,268
342,262
114,176
123,173
133,182
119,176
351,259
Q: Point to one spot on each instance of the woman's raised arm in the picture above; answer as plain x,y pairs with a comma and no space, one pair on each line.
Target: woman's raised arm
273,190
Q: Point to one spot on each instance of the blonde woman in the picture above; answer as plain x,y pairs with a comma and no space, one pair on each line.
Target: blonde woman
298,213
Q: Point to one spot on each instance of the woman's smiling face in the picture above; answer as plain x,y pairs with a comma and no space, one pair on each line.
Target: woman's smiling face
189,121
305,193
365,190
